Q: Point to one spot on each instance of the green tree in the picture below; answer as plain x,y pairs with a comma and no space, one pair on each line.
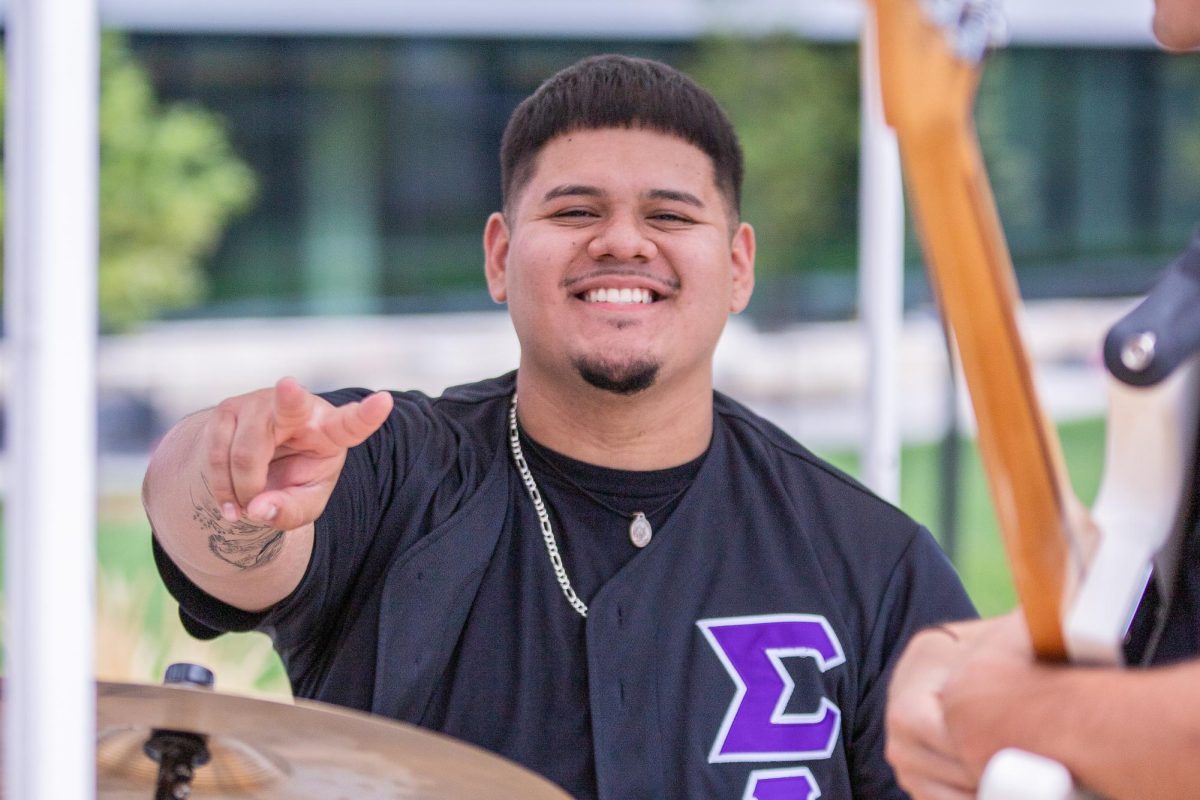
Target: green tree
169,184
1181,104
1011,166
795,106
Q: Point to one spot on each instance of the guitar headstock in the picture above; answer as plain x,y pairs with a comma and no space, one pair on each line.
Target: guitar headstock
929,57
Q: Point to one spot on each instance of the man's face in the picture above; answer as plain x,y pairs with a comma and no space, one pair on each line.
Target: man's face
619,261
1177,23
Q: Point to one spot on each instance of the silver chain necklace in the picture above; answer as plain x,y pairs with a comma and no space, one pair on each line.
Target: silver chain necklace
560,572
640,529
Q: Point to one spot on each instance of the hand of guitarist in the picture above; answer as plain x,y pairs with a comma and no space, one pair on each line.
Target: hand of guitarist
955,702
936,756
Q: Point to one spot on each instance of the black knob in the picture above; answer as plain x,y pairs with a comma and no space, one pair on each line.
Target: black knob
188,675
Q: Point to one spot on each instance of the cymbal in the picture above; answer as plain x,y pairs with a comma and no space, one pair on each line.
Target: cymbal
306,751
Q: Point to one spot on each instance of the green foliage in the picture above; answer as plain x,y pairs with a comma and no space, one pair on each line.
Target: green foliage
795,106
1011,166
1182,133
169,183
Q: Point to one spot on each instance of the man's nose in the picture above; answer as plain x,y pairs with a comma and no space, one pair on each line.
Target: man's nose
622,238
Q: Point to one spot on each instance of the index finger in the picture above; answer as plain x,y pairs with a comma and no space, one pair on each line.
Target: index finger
351,424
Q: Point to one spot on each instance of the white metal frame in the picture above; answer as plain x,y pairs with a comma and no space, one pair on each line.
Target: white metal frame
880,277
51,155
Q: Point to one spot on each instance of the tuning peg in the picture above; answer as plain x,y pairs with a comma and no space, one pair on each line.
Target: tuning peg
944,13
971,26
983,26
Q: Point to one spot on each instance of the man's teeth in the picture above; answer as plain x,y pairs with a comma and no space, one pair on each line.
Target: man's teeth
619,296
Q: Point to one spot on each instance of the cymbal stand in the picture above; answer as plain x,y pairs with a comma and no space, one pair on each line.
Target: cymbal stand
179,753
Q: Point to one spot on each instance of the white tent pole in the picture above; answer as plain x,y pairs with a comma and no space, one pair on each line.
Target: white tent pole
881,275
51,155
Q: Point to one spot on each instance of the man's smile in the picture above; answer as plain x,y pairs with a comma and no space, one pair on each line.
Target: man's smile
621,287
619,296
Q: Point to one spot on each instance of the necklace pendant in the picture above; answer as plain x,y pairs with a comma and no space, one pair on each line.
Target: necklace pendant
640,531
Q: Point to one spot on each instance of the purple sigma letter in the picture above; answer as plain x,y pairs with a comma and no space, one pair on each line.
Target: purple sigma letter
790,783
755,726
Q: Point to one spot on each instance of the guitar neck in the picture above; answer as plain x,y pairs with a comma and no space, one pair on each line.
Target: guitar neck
971,271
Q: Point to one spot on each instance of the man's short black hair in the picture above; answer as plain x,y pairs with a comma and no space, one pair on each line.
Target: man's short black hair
617,91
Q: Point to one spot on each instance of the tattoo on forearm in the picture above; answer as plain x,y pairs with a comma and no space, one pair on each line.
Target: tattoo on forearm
243,544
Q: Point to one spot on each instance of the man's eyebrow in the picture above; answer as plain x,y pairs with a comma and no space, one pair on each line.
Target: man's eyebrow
584,190
674,194
572,190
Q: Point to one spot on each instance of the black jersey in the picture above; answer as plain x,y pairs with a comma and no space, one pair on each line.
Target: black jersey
743,653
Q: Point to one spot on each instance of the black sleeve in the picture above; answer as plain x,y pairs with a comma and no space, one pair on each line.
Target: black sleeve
923,590
210,617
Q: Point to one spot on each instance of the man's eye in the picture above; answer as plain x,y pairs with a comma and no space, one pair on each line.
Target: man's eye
670,216
574,212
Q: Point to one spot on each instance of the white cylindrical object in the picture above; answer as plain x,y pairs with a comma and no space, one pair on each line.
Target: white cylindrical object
880,275
51,155
1015,774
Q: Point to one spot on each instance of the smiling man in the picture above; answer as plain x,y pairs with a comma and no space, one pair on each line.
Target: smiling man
596,566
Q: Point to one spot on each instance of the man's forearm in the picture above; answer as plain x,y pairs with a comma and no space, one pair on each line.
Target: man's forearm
1126,734
243,562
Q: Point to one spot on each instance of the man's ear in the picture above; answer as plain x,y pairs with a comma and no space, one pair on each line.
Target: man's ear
742,261
495,256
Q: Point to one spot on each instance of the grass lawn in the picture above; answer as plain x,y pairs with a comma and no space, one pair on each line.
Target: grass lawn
139,633
138,629
980,553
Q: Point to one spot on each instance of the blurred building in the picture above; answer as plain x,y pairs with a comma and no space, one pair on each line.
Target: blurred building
373,126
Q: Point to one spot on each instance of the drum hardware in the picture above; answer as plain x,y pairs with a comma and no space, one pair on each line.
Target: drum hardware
179,753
